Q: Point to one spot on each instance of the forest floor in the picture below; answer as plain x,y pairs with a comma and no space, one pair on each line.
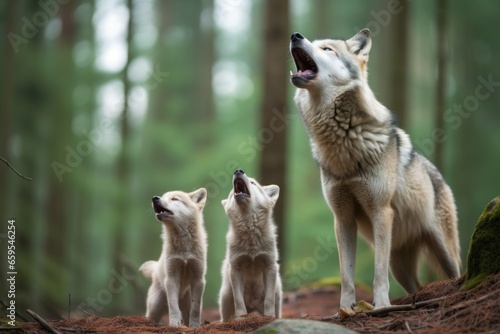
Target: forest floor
438,307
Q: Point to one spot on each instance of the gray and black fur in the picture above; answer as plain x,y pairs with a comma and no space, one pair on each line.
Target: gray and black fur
372,178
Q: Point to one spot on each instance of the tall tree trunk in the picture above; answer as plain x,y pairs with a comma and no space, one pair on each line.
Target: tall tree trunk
123,163
272,167
442,49
399,63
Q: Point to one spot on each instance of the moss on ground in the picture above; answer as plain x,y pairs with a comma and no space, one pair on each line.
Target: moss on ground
483,258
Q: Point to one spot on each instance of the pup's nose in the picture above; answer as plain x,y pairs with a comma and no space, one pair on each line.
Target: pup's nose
156,198
238,172
296,36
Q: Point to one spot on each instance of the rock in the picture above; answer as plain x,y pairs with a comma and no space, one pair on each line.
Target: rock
484,250
300,326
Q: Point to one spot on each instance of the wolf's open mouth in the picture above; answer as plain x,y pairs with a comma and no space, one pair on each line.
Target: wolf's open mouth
306,67
159,209
240,187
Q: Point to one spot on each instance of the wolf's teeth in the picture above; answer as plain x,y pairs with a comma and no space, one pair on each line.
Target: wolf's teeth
291,73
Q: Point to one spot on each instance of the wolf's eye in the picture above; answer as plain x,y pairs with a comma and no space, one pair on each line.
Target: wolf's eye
326,49
252,182
175,199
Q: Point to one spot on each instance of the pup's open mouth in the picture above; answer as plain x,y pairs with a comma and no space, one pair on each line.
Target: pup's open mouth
161,212
306,67
240,189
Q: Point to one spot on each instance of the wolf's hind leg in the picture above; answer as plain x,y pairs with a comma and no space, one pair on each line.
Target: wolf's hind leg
404,267
440,254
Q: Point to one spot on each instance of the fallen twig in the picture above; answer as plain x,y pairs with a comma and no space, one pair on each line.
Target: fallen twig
12,167
81,309
42,322
392,308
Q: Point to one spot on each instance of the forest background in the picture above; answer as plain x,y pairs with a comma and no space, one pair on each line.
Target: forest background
106,103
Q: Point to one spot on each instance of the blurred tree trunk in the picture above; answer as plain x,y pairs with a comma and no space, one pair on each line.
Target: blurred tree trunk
205,61
61,138
123,162
273,159
442,49
323,15
8,84
398,60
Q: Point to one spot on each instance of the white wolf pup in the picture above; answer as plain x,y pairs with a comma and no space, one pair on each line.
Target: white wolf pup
178,277
372,178
250,271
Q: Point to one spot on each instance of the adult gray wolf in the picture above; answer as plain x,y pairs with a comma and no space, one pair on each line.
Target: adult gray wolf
250,271
372,178
178,277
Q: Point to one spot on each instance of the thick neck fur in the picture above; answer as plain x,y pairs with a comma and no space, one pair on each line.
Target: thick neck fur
251,229
186,237
348,127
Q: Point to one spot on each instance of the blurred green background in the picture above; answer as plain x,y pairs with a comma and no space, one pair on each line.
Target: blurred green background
105,103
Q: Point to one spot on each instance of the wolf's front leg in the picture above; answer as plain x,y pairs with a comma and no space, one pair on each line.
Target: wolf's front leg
173,290
346,231
382,233
270,276
197,289
238,286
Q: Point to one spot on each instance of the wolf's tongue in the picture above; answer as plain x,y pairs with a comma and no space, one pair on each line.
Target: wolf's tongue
307,73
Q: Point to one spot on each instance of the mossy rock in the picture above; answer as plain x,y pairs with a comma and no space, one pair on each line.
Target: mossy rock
302,326
484,250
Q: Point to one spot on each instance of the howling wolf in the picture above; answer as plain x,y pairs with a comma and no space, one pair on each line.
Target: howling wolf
250,271
372,178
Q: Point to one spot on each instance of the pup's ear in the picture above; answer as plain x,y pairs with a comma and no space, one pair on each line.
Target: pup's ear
273,191
199,197
361,44
224,202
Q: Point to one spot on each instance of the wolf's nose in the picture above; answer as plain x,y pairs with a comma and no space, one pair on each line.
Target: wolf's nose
239,171
296,36
156,198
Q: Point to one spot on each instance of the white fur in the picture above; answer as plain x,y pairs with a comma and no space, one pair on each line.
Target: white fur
250,271
178,277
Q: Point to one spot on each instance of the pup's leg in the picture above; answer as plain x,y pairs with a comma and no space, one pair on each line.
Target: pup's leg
382,220
156,302
172,286
197,289
270,277
185,306
404,266
278,297
237,286
226,300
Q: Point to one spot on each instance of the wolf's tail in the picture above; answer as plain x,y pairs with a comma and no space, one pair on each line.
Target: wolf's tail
148,268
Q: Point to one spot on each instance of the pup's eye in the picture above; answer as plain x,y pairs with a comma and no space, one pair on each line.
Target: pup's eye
252,182
326,49
175,199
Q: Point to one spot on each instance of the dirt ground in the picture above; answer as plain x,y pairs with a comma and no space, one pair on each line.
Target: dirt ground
446,310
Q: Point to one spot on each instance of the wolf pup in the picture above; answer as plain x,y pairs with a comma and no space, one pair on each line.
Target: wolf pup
178,277
372,178
250,271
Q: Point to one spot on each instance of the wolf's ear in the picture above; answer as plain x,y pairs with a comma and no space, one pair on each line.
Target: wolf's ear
223,202
361,43
273,191
199,197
